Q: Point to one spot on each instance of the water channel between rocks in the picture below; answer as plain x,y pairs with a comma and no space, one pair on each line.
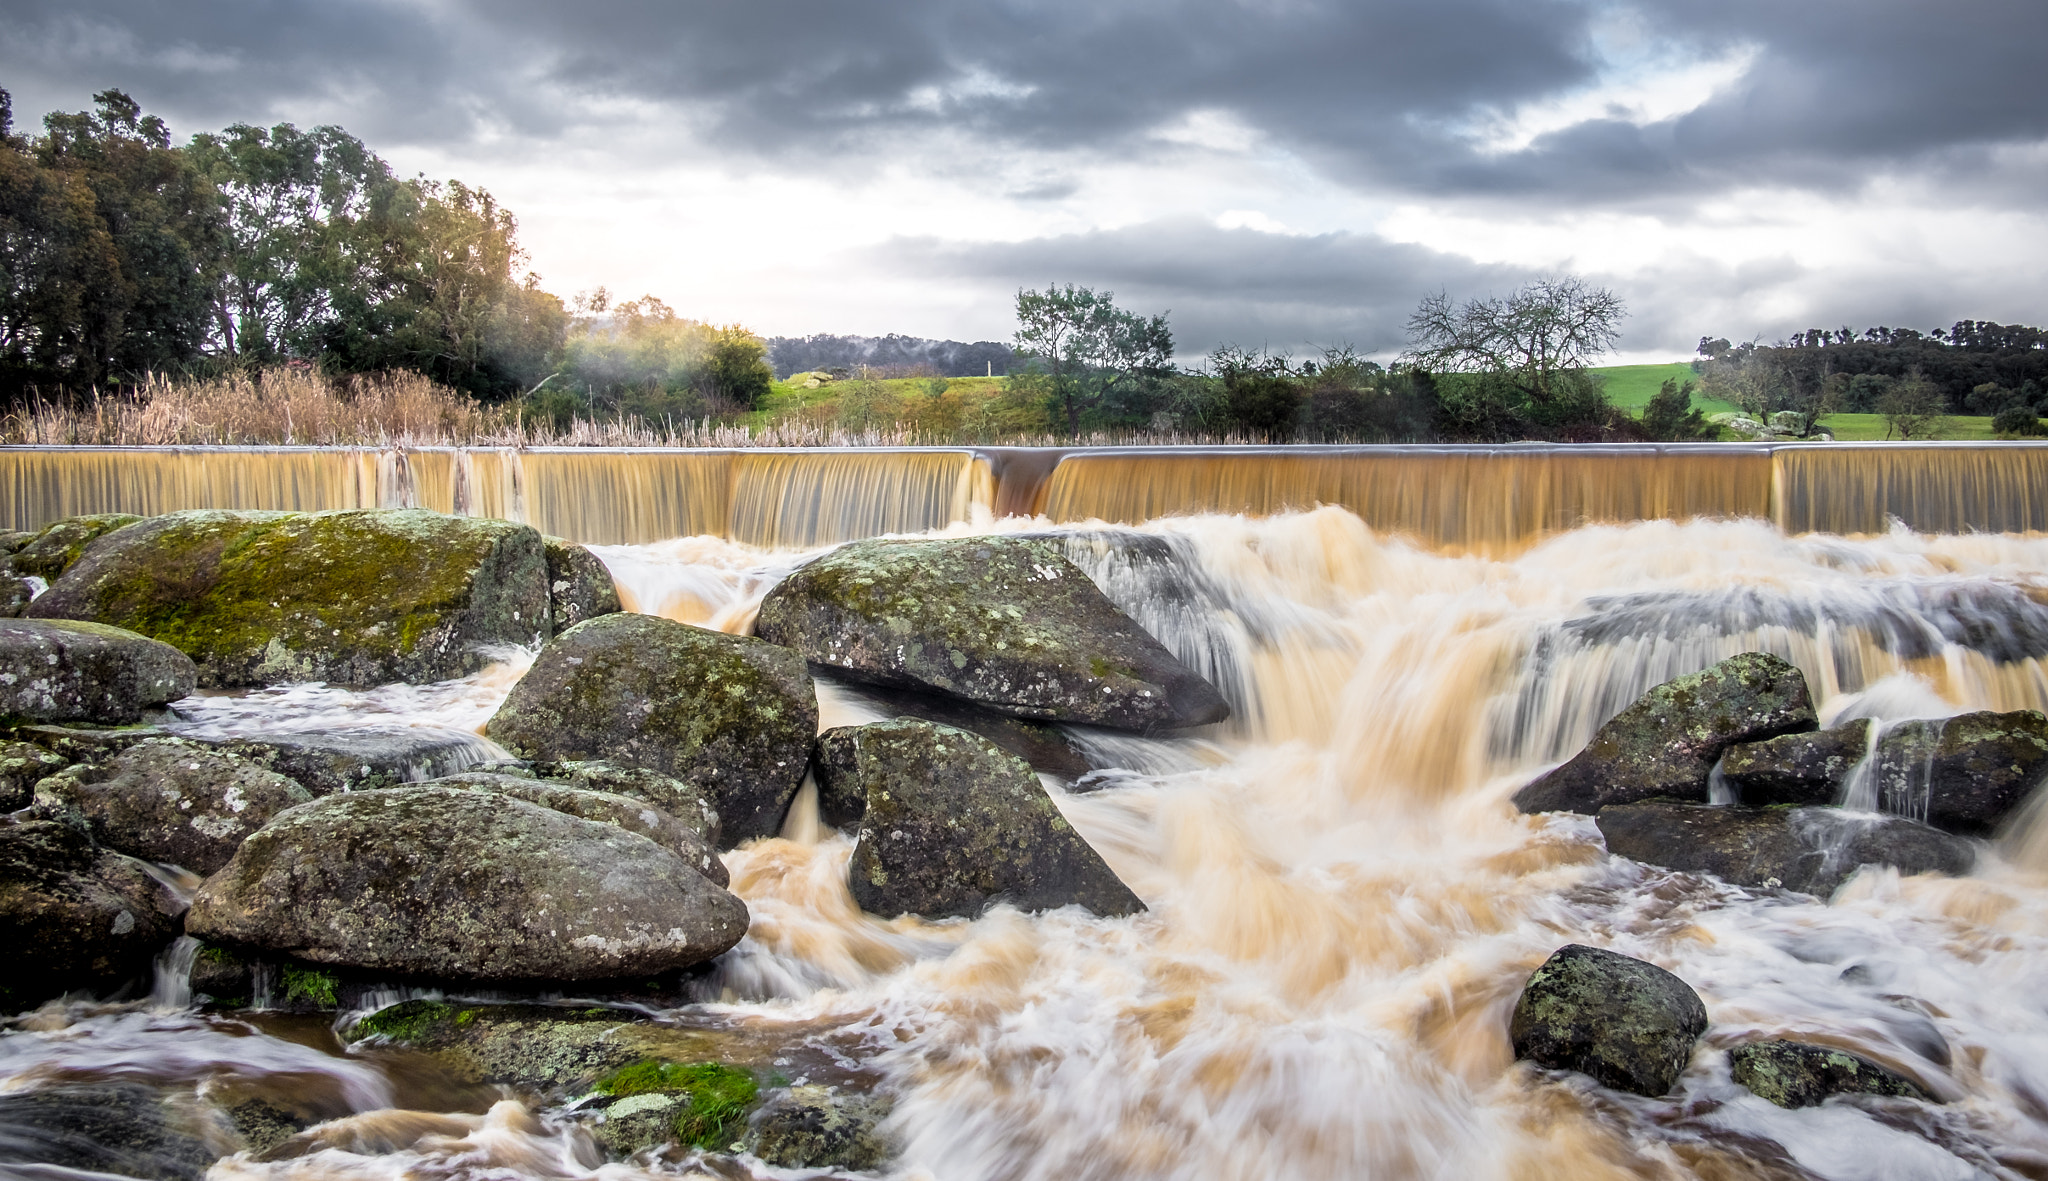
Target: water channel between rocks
1343,905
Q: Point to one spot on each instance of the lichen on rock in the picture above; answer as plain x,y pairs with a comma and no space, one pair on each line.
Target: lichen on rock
1629,1024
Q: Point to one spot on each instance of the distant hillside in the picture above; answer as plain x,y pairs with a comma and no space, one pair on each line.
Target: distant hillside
894,355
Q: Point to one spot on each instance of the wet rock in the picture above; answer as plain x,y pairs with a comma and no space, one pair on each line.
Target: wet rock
1006,623
63,671
263,1126
16,593
120,1128
53,550
1966,773
1811,850
82,742
835,768
735,716
357,597
953,824
1796,768
22,766
678,797
329,761
72,916
1043,745
605,808
704,1104
445,883
175,801
1666,742
1629,1024
221,977
816,1127
1791,1074
579,586
625,1126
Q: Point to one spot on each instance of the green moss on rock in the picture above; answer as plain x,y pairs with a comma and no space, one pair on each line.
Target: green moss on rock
719,1096
53,550
1966,773
1792,1074
1629,1024
406,1021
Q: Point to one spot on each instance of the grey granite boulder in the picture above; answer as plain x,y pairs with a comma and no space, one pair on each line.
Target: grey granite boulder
579,586
1810,850
51,551
65,671
605,808
174,801
1966,773
820,1127
1796,768
1631,1025
360,758
73,916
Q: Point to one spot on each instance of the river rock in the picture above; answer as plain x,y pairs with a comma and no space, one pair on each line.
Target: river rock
1796,768
16,593
678,797
1629,1024
1810,850
818,1127
1666,742
605,808
175,801
1966,773
52,551
1044,745
358,597
65,671
122,1129
733,715
22,766
329,761
1792,1074
953,823
1007,623
579,586
454,884
73,916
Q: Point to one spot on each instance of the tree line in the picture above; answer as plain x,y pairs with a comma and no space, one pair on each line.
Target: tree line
893,355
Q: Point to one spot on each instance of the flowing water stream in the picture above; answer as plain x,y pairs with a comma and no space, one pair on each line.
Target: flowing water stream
1343,905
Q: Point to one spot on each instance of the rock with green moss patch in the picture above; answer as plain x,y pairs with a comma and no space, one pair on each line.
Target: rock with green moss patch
543,1051
1665,744
357,597
1792,1074
1966,773
818,1127
953,823
60,544
1004,622
606,808
1631,1025
66,671
732,715
22,766
73,916
579,586
221,977
716,1097
1796,768
1811,850
444,883
170,800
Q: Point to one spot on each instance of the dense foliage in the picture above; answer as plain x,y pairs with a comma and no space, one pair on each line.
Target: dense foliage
892,355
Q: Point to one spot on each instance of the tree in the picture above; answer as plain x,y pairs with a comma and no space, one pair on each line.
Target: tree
1914,409
1260,390
1088,349
1670,417
1540,338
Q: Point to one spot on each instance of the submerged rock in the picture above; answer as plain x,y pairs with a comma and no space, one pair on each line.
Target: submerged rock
175,801
1007,623
953,824
72,916
1811,850
1666,742
1791,1074
453,884
357,597
579,586
66,671
817,1127
1966,773
52,551
735,716
605,808
1796,768
328,761
125,1129
1629,1024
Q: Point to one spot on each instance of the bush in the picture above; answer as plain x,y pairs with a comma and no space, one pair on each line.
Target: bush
2017,420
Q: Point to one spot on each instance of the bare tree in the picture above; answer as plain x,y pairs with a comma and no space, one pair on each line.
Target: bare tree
1914,408
1542,331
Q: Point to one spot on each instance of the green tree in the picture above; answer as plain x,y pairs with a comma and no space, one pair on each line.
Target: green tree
1914,408
1260,390
1087,350
1670,416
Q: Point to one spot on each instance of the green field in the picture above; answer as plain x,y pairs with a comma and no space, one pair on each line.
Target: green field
1631,386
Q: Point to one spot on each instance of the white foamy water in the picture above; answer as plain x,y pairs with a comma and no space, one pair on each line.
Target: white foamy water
1343,904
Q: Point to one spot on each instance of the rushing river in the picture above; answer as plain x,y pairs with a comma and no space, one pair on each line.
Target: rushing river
1343,905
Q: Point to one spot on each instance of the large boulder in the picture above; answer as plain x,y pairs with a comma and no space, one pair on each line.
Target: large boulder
1811,850
952,824
73,916
605,808
357,759
1793,1074
733,715
51,552
1666,742
1966,773
579,586
1629,1024
66,671
452,884
1005,622
1044,745
175,801
358,597
1796,768
678,797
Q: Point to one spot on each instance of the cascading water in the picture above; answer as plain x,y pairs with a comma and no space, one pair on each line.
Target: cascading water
1343,905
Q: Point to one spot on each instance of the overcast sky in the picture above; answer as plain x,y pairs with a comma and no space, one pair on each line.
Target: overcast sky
1283,172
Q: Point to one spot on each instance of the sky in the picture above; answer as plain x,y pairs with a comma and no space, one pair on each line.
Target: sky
1290,174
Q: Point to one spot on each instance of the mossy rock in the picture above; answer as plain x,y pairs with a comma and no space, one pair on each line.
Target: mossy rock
1665,744
1966,773
52,551
22,766
952,824
1631,1025
56,670
732,715
73,916
605,808
1810,850
357,597
1004,622
1792,1074
449,884
1796,768
818,1127
715,1097
170,800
